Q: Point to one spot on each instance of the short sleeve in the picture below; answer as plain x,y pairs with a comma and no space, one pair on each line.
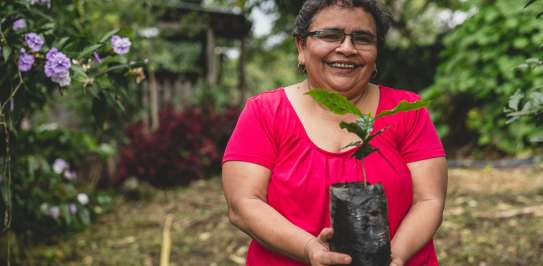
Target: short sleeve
252,139
420,140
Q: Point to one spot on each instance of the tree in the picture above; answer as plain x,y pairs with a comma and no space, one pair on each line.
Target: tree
528,103
477,74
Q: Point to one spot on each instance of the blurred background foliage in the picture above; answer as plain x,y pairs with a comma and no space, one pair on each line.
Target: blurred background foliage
482,65
479,61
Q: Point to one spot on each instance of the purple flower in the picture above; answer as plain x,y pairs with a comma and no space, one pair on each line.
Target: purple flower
62,80
42,2
34,41
57,67
70,175
25,61
72,208
52,52
60,166
120,45
19,24
97,57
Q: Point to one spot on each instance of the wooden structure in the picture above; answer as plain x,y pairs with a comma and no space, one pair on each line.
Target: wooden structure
186,22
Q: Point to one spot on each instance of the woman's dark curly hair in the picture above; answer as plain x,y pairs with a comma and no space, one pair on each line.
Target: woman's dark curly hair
311,7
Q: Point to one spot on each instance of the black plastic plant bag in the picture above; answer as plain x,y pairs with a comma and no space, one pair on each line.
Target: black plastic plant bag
359,219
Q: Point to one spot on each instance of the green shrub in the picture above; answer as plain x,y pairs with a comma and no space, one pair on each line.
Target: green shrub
478,74
50,199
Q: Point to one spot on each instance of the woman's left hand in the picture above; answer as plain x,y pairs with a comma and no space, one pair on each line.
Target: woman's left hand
396,261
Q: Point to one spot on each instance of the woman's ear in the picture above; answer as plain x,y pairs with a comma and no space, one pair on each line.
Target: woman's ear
300,46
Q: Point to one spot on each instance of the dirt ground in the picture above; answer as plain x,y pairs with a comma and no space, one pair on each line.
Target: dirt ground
493,217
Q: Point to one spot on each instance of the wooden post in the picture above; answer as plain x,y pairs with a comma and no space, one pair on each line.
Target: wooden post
241,72
211,60
153,100
146,103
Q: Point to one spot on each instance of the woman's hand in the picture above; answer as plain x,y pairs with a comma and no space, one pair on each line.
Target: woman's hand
317,250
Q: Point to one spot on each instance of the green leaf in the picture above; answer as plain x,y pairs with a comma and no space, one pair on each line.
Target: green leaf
334,101
89,50
352,144
363,151
6,52
354,128
362,127
108,35
404,106
530,2
65,213
79,73
105,150
366,149
515,100
60,43
84,216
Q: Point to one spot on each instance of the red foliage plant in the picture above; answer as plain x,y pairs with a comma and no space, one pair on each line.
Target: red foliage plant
187,146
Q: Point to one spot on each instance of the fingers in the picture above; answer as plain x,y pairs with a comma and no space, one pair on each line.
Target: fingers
324,256
333,258
326,234
330,258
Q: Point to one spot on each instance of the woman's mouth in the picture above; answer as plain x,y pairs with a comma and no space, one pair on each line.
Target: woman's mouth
343,65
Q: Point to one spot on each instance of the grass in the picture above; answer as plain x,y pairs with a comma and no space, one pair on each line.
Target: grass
493,217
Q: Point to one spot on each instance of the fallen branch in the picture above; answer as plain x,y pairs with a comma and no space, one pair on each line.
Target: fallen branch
166,241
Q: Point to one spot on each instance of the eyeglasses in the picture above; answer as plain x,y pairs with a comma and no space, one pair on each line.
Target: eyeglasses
360,40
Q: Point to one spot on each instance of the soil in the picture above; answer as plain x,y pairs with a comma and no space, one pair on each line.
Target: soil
492,217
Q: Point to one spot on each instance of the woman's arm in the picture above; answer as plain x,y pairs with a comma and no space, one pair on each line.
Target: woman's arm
426,213
245,188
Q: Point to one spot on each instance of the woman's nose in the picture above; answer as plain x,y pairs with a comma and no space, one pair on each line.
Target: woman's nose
346,46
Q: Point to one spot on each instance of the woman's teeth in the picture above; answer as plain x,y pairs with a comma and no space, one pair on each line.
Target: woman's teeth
343,65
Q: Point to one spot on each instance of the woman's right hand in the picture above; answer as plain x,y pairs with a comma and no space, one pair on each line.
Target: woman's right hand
317,250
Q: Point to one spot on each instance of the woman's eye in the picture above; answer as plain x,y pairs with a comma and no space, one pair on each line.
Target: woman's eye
330,36
363,39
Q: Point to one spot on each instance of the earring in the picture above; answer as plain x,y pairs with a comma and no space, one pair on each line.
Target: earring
301,68
375,72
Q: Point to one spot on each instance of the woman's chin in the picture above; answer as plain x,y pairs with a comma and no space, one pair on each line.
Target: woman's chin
342,87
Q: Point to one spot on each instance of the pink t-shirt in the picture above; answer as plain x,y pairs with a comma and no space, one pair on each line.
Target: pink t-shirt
269,133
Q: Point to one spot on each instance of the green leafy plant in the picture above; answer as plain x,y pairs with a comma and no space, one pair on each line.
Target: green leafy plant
363,126
528,105
50,48
51,196
478,72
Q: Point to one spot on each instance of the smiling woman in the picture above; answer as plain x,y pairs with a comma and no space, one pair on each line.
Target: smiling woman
332,62
287,150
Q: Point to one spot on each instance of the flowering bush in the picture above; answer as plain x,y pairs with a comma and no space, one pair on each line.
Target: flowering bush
187,146
49,197
50,47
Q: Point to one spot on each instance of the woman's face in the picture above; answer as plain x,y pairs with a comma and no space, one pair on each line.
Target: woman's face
339,66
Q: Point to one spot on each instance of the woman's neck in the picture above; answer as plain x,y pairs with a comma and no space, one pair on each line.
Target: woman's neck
356,97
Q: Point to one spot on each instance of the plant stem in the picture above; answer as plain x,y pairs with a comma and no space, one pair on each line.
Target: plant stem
13,92
364,174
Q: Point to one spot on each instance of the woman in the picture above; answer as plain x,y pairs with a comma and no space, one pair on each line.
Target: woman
286,149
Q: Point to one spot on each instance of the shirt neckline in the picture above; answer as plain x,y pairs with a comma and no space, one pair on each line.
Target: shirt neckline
306,136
